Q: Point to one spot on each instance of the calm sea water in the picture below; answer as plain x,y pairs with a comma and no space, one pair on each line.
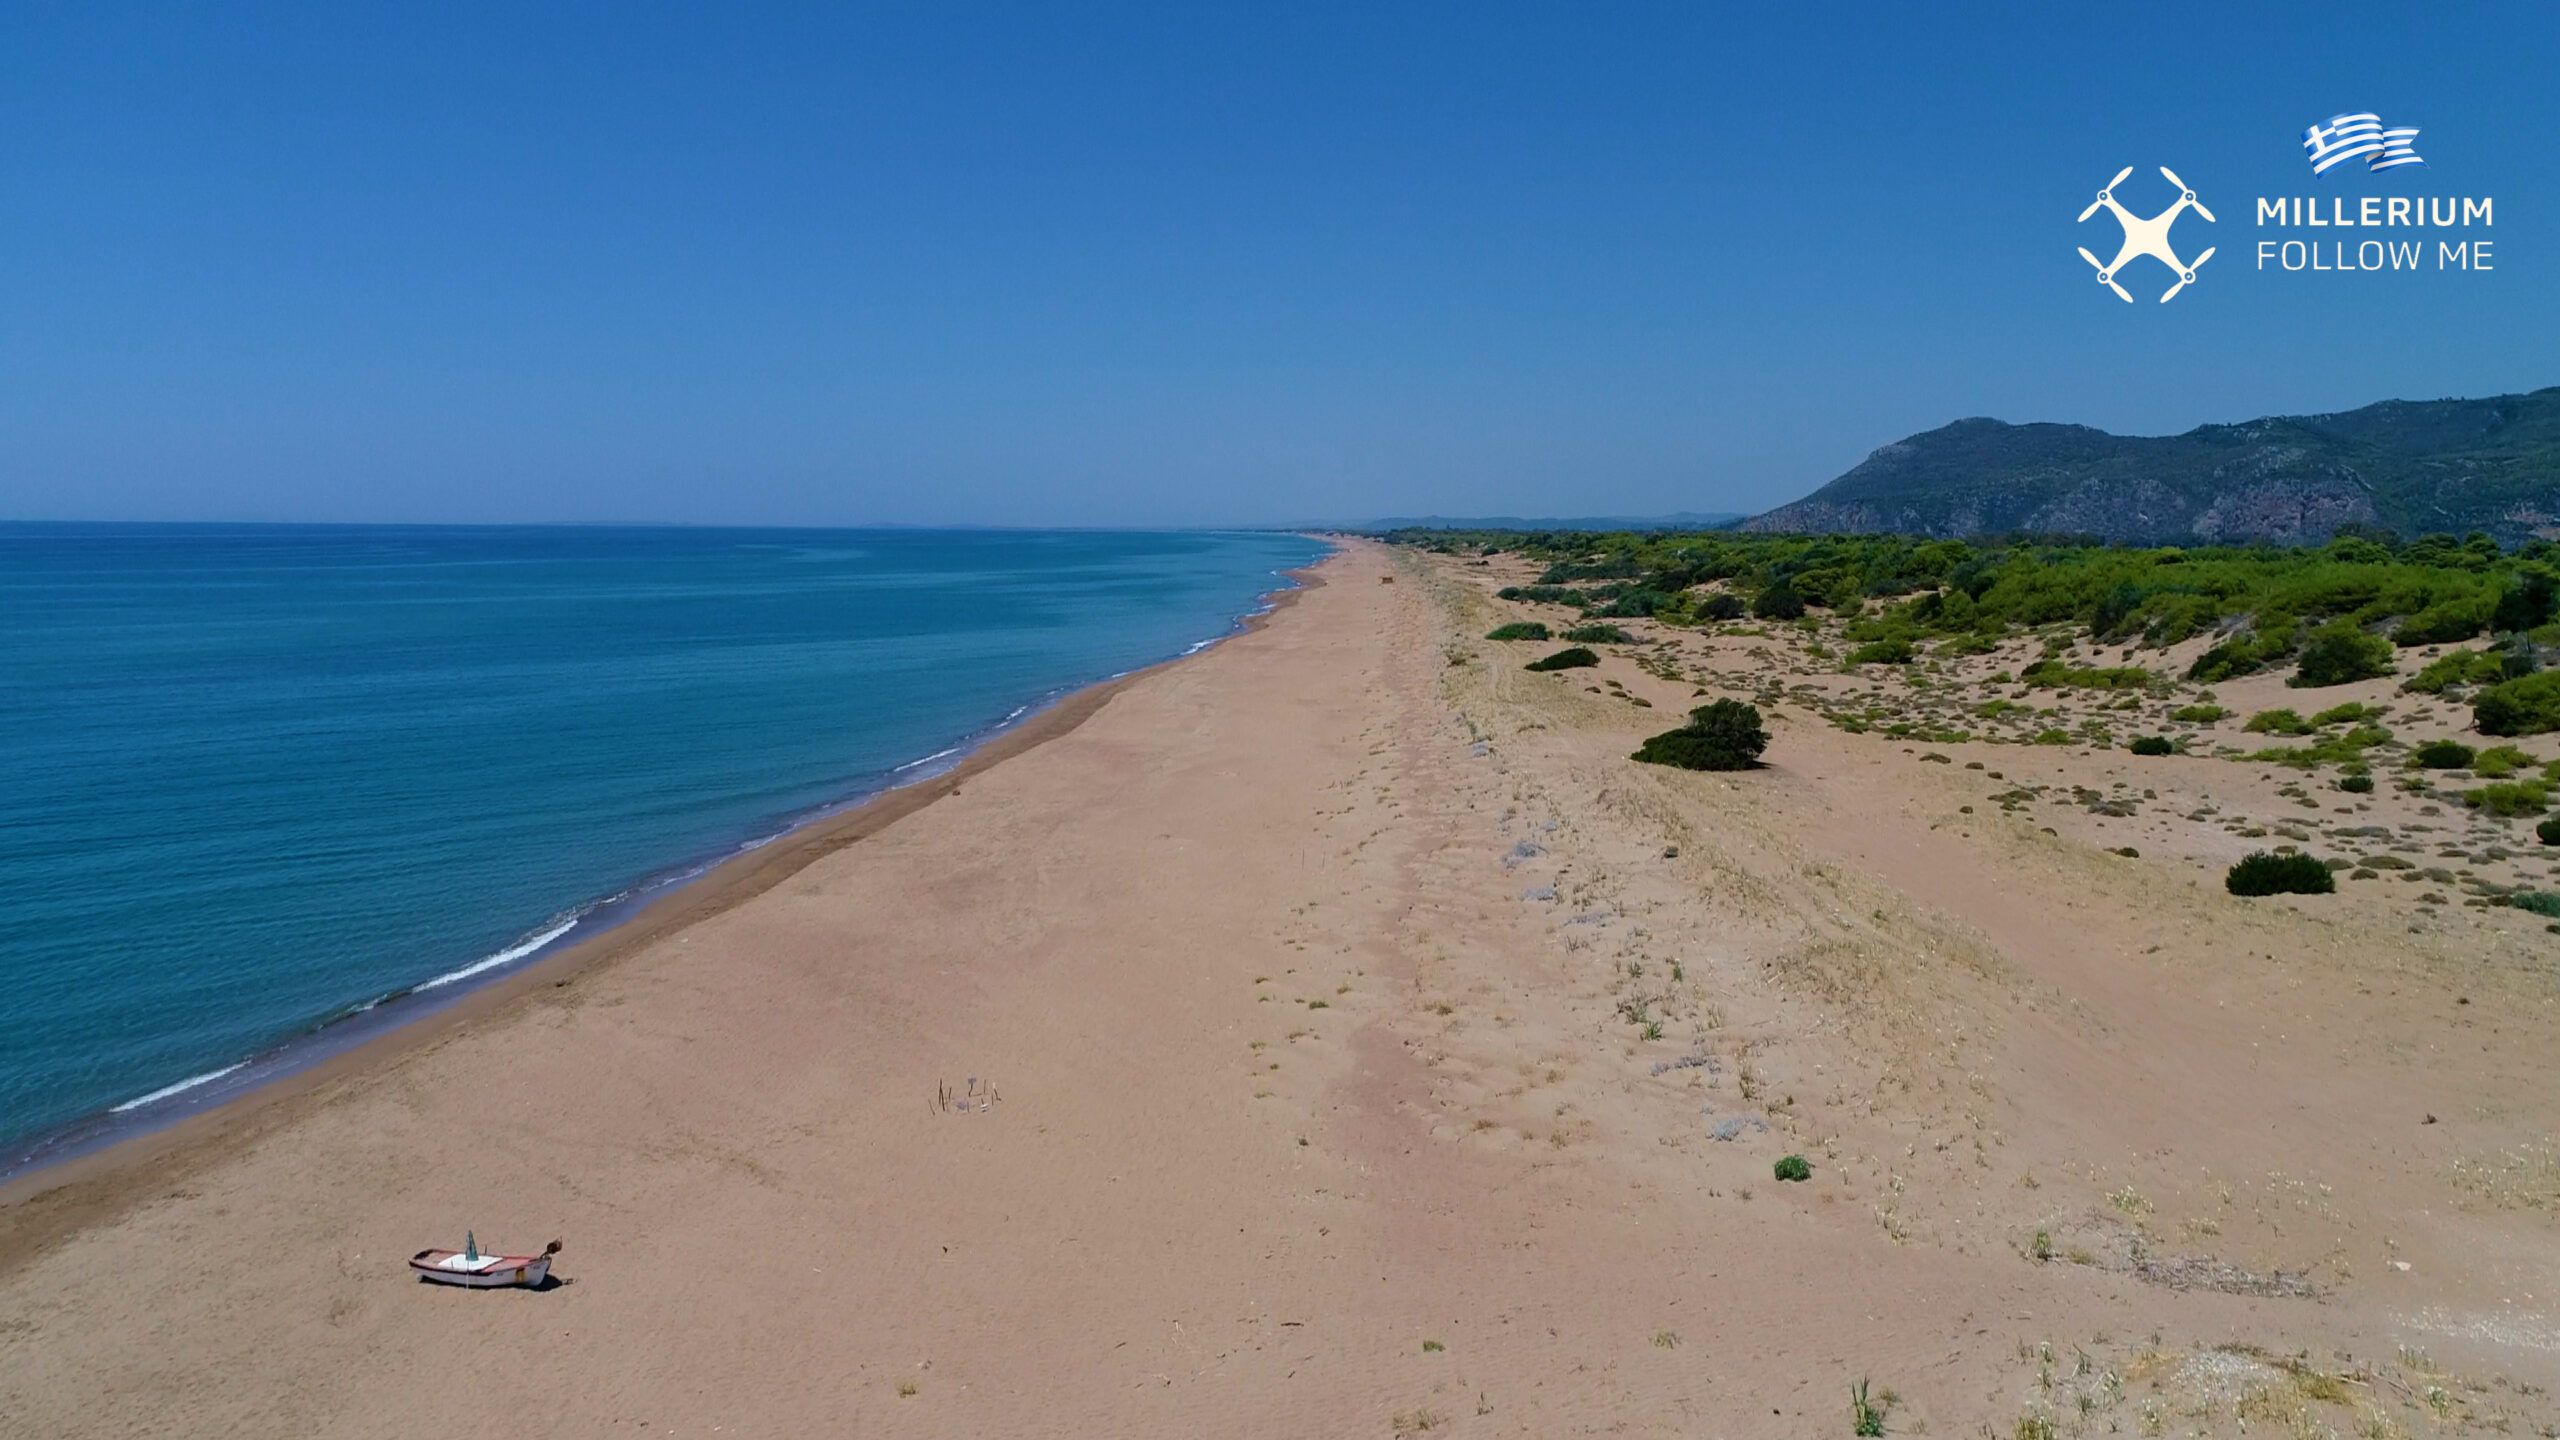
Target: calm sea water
254,779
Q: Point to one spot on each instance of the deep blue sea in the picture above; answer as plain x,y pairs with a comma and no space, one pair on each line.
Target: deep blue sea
255,779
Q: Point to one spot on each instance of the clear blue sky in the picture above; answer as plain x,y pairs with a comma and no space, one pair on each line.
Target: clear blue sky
1189,264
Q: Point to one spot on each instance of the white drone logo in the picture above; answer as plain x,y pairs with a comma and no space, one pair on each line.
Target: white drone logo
2146,237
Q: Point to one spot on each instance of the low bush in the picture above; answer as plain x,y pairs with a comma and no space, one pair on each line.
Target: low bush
2528,705
1573,659
2548,832
1723,736
1882,652
2538,902
2339,653
1598,635
1517,630
2200,714
2442,755
2277,722
1793,1167
2461,667
2346,714
2448,621
2509,798
2499,761
2357,784
2151,745
2054,673
1721,606
2266,874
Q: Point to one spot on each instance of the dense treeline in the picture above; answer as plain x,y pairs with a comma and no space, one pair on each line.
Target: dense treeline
2332,611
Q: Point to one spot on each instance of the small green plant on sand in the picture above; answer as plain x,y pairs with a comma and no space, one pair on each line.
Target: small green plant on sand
2267,874
2548,832
2200,714
2357,784
1666,1339
1598,635
2151,745
1575,658
1518,630
1864,1418
1432,1347
1793,1167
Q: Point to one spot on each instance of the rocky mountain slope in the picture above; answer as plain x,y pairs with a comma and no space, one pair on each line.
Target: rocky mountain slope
2413,466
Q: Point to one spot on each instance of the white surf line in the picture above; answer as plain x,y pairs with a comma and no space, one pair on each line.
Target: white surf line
517,951
165,1091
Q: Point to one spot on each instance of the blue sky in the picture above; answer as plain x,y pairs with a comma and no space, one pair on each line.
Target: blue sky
1186,264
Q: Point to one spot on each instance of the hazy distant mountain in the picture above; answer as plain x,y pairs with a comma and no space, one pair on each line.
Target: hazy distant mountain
2413,466
1684,520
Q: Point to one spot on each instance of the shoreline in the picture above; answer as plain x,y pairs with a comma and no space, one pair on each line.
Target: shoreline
54,1197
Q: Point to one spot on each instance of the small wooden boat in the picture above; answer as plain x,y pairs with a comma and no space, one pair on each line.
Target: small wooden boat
467,1266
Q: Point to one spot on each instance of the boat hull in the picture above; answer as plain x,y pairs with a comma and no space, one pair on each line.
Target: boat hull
505,1271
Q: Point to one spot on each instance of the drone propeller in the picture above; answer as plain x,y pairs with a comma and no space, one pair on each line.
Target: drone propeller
2093,260
2190,196
2109,191
2186,275
2103,277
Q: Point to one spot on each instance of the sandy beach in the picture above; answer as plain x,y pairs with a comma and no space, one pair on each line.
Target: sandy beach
1333,1033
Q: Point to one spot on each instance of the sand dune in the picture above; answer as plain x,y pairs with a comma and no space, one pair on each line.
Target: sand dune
1355,1043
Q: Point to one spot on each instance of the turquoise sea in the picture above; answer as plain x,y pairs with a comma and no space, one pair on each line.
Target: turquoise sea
256,780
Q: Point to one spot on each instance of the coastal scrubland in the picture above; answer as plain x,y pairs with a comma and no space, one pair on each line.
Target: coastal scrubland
1359,1039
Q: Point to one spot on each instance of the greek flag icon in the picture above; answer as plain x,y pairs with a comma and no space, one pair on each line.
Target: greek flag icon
2341,138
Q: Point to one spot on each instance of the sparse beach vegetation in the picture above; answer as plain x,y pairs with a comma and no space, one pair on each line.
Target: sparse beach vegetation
1575,658
2268,873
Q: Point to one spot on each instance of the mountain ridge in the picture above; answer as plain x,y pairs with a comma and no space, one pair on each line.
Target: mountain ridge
2411,466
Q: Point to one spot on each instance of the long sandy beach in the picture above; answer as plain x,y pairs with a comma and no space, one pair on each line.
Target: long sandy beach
1334,1034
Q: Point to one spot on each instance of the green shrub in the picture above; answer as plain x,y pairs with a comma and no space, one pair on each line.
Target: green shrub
2200,714
1723,736
2509,798
2266,874
1779,602
2527,604
2529,705
2341,715
2357,784
1793,1167
2151,745
2499,761
1517,630
2277,722
2459,667
2054,674
1721,606
1882,652
2548,832
2053,737
2442,755
2339,653
2538,902
1598,635
1574,659
2446,622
